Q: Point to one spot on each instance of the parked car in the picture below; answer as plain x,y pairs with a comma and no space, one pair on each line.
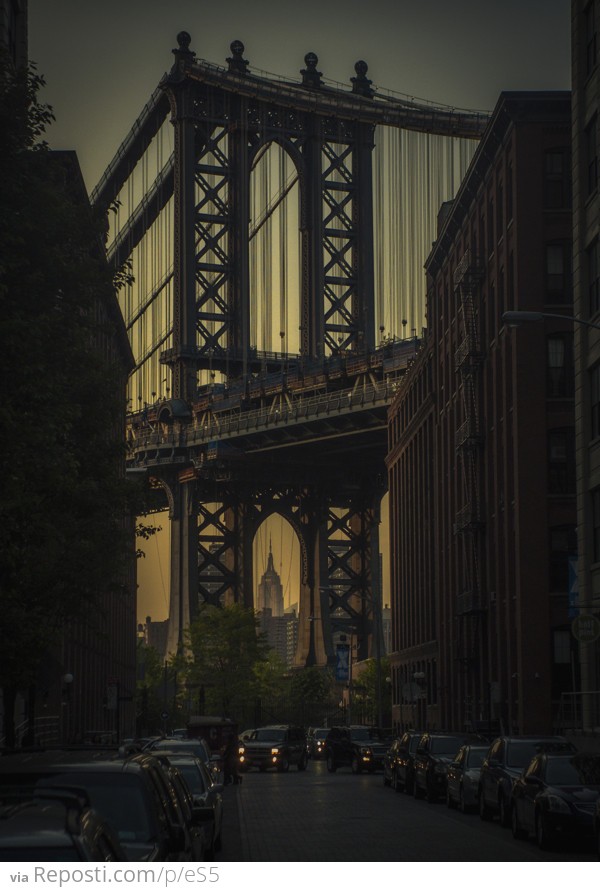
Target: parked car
399,761
58,828
274,746
462,781
204,791
596,821
197,747
134,794
556,795
504,761
316,743
360,747
433,755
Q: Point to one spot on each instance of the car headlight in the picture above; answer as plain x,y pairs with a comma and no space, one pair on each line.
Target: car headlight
365,750
275,751
241,750
557,805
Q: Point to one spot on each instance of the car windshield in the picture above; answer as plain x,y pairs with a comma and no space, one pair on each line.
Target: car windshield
192,776
268,735
581,770
117,797
445,745
196,749
475,758
366,734
520,754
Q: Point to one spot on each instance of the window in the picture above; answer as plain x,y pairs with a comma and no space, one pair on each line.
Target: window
590,37
557,180
490,223
561,461
593,267
558,273
595,400
563,544
509,194
591,155
596,522
559,366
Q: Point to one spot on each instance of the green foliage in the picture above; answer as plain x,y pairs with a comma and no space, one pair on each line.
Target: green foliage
224,650
364,691
63,541
311,685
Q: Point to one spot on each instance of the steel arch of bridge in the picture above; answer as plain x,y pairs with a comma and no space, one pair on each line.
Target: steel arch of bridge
325,475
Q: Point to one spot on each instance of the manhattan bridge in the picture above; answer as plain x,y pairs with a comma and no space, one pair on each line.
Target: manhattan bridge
274,235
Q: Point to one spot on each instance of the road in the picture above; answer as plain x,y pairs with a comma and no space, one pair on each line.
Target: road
317,816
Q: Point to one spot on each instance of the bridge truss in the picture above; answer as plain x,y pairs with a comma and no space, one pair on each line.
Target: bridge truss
267,319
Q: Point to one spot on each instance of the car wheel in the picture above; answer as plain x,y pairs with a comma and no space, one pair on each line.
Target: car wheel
356,768
504,811
331,766
303,763
543,834
484,811
517,831
284,765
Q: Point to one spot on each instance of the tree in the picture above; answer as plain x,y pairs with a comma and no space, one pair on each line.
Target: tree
223,648
63,540
365,689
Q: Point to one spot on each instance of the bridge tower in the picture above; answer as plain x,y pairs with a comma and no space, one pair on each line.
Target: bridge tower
303,435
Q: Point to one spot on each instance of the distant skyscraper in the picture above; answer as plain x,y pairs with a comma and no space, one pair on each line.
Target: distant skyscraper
280,628
270,590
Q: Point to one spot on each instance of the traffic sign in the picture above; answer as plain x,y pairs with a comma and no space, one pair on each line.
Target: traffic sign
586,628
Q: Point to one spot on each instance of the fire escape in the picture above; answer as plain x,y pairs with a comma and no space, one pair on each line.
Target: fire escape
469,523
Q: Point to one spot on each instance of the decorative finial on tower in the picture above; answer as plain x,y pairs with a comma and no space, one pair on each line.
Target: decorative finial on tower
237,63
310,76
361,83
183,56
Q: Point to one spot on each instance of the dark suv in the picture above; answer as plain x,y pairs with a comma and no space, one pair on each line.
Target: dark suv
433,755
274,746
503,763
361,747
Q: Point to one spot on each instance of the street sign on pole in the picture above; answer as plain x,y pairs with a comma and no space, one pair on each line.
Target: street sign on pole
586,628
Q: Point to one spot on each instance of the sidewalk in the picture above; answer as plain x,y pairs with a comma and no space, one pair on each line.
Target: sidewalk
233,849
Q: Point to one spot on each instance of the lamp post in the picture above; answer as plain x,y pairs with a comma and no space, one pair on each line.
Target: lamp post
516,318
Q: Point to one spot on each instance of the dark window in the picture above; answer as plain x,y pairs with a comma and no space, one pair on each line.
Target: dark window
558,273
596,522
595,399
559,355
509,192
593,270
563,544
591,155
561,461
590,37
490,223
557,180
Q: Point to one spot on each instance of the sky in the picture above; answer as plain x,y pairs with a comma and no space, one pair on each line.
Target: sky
102,59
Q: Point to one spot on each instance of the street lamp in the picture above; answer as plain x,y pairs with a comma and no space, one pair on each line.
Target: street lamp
516,318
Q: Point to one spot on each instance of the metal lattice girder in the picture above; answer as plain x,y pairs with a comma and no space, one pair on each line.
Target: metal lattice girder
217,562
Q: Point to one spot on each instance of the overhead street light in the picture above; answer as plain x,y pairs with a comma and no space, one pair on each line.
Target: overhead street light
516,318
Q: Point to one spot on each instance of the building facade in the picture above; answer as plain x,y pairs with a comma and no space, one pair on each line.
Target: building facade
481,445
585,710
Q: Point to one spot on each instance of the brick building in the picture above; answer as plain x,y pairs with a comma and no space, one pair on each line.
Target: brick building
481,444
